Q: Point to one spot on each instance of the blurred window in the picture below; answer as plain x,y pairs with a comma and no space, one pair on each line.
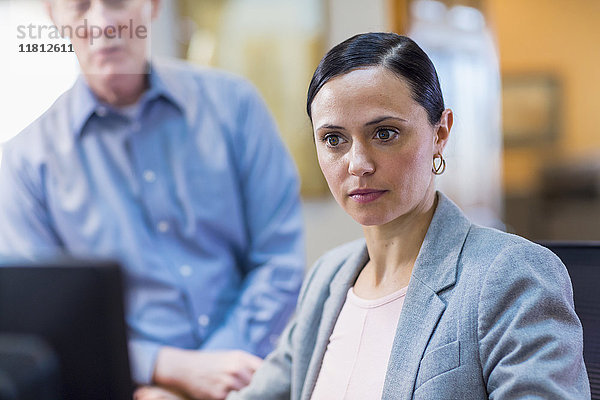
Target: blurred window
30,81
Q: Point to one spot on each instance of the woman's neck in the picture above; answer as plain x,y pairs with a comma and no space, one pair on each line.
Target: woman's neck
393,249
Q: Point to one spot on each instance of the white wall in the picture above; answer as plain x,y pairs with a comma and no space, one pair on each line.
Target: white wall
30,82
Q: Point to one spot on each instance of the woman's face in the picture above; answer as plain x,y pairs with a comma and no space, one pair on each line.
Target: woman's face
375,145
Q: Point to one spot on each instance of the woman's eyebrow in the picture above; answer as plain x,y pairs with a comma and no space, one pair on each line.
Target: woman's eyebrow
329,126
384,118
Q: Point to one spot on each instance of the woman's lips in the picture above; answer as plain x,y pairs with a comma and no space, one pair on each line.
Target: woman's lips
366,195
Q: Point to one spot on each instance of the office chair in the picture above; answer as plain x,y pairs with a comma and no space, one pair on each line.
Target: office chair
583,263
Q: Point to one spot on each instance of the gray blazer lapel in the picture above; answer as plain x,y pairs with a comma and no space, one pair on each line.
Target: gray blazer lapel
338,288
434,271
415,326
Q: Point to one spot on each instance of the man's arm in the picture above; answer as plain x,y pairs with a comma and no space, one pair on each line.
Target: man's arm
25,224
274,262
273,265
273,380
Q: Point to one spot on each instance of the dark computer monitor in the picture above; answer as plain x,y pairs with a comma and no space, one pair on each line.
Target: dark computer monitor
76,308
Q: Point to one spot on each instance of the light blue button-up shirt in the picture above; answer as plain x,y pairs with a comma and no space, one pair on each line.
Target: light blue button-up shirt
193,191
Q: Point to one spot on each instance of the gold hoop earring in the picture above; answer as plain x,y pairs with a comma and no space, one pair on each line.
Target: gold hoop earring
438,167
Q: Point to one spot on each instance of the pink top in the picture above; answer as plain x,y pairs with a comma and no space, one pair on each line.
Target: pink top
356,359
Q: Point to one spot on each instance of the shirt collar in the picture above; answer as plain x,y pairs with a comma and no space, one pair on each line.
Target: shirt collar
83,105
163,84
84,102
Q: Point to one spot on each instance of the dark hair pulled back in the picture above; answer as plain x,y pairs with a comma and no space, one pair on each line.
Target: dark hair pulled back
397,53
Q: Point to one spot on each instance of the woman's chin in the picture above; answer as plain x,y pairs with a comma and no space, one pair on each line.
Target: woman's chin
369,218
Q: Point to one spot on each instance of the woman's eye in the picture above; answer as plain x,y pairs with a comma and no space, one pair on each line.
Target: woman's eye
332,140
385,134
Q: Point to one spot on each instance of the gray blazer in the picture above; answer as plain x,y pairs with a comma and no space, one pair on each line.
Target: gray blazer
486,315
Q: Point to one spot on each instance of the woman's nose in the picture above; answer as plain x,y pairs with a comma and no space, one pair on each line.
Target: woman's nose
360,162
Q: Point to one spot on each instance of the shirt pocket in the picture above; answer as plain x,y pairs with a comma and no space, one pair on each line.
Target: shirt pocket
438,361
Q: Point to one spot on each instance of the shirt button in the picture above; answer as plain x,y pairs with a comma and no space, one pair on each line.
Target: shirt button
273,339
102,111
185,270
163,226
149,176
203,320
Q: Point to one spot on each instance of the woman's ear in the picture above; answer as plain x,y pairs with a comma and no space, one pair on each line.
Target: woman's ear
443,130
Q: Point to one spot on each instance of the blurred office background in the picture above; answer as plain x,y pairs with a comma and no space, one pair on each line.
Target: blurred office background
521,76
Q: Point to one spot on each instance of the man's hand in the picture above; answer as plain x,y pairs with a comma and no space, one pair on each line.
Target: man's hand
156,393
204,375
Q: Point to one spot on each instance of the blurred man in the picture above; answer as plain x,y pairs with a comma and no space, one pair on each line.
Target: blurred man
178,173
